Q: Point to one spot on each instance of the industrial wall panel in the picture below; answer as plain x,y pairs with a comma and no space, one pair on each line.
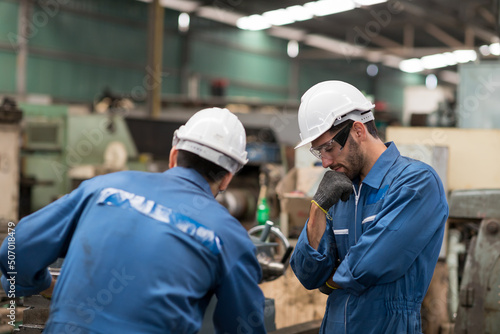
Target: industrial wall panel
172,51
352,71
80,81
478,95
8,20
230,63
252,41
73,32
8,72
258,94
127,9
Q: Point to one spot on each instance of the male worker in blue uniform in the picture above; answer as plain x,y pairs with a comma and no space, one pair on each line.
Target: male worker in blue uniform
376,222
145,252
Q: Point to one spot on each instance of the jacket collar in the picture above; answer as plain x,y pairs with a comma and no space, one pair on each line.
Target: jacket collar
191,176
382,165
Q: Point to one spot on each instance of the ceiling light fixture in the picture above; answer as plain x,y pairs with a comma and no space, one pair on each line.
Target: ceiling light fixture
292,49
431,81
278,17
372,70
299,13
465,56
368,2
437,61
495,49
183,22
413,65
328,7
485,50
253,22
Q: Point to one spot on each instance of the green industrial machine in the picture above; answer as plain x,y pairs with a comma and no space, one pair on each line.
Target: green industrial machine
56,142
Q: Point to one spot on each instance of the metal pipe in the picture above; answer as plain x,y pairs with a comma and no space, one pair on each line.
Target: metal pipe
22,47
455,247
155,48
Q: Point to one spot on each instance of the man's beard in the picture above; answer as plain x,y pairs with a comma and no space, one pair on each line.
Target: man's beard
354,161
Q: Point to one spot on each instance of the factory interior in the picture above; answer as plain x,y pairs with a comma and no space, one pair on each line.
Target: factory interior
91,87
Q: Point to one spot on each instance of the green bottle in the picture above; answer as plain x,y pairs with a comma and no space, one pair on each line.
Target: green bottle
262,206
262,211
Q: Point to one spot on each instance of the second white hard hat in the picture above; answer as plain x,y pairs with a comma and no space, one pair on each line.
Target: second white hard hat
216,135
330,103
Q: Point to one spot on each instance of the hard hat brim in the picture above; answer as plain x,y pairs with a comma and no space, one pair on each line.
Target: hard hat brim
362,116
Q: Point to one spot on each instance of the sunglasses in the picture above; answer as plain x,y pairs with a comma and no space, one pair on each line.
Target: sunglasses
340,138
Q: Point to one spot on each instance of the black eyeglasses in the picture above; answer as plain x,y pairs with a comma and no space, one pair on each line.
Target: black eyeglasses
340,138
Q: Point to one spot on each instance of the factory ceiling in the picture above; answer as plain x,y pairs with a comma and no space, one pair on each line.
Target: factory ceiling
386,32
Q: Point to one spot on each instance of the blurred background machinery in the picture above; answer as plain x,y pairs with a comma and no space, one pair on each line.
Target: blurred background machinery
10,134
474,227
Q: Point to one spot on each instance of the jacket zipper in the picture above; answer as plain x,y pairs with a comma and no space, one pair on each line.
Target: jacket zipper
345,314
356,196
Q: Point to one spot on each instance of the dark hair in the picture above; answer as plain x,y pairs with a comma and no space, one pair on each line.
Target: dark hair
210,171
370,126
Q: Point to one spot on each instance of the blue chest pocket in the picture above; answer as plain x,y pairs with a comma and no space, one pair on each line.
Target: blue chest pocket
340,231
373,205
369,214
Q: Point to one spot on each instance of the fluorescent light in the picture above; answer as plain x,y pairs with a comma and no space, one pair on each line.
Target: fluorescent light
436,61
495,49
328,7
451,58
431,81
411,65
253,22
372,70
464,56
299,13
368,2
485,50
183,22
278,17
292,49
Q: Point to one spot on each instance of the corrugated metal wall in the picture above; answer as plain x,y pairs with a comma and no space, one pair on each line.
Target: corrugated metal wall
77,48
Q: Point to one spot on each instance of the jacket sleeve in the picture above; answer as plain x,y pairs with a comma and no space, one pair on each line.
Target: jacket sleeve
40,239
411,222
240,301
313,267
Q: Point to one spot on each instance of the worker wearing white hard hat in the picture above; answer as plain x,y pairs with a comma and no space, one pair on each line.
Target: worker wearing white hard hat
376,222
147,252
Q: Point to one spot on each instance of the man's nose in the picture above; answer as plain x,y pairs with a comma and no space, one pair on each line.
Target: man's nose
326,161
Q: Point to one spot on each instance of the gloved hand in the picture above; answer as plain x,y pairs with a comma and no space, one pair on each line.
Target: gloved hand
325,289
333,187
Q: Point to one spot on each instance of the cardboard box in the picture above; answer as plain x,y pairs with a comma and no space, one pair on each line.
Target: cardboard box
295,192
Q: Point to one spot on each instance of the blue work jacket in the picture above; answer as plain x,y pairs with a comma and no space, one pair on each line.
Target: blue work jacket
144,253
387,238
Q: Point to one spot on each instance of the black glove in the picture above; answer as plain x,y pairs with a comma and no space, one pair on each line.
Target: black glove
333,187
325,289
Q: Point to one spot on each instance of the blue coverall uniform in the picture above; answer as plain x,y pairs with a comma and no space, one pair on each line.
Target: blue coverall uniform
144,253
387,238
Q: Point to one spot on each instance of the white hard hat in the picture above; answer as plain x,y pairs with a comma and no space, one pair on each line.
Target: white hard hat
330,103
216,135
